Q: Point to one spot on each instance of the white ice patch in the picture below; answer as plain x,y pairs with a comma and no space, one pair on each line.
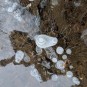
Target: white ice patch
19,76
6,49
17,19
54,2
14,17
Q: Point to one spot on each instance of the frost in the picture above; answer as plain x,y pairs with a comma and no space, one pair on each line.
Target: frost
26,58
19,56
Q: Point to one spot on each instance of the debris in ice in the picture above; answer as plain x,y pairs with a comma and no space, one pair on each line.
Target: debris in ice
60,50
54,2
44,41
6,49
68,51
54,77
69,74
76,80
54,60
64,57
77,3
38,50
60,65
28,6
46,64
19,56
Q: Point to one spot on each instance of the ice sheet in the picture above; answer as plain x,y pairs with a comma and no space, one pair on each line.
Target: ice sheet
19,76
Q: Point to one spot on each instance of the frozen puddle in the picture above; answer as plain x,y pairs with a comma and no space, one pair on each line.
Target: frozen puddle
19,76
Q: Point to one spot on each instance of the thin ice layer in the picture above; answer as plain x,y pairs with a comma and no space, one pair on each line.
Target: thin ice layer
6,49
10,21
19,76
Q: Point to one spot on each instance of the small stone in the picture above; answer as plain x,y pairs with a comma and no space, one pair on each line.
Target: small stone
64,57
77,4
69,51
28,6
60,65
54,2
69,74
54,60
71,67
54,77
31,0
59,50
46,64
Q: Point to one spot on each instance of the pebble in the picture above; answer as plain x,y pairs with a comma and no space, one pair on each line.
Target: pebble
26,58
60,50
69,74
71,67
54,60
64,57
68,51
19,56
60,65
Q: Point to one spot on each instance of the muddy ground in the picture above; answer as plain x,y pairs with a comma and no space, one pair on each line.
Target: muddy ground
64,21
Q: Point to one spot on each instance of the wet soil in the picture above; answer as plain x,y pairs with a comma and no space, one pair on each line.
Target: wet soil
64,21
